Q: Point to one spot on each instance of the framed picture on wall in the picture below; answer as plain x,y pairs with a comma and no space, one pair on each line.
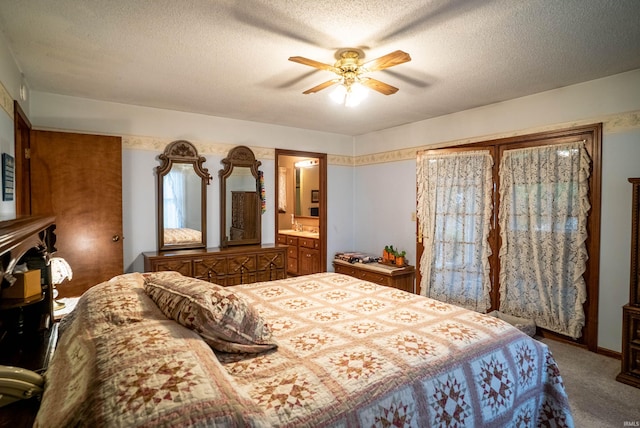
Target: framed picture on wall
315,196
7,177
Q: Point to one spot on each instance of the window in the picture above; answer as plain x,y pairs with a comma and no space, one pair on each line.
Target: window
446,258
454,203
543,217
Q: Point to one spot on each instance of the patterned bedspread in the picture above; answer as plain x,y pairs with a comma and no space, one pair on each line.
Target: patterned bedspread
351,353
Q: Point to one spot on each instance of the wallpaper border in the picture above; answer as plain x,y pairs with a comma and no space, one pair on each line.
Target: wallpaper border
612,124
615,123
212,148
6,101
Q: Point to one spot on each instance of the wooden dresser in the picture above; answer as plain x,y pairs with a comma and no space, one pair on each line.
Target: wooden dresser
400,278
228,266
630,373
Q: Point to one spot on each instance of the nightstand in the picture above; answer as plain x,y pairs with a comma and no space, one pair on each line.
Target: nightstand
30,351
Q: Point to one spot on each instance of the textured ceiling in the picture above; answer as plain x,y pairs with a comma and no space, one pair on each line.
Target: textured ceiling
229,58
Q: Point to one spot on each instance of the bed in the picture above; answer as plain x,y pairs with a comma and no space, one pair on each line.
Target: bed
330,350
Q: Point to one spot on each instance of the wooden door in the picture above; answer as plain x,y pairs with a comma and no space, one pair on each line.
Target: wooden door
78,178
22,129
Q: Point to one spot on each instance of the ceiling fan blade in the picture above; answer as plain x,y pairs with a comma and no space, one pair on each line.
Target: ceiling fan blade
321,86
379,86
386,61
312,63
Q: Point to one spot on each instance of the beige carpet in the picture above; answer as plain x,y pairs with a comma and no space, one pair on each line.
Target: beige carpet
597,400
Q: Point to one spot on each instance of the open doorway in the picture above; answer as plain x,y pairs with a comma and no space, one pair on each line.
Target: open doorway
301,220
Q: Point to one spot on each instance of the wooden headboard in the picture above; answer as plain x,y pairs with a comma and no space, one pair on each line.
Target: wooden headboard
33,239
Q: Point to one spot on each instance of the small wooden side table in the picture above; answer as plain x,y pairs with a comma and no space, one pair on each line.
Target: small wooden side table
401,278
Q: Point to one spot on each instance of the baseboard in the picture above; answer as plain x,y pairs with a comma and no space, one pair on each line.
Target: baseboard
560,338
609,353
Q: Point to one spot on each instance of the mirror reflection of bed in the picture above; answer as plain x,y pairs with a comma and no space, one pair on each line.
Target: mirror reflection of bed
182,197
182,205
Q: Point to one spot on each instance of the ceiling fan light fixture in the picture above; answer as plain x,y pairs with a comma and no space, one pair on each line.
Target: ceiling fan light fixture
351,80
349,94
338,94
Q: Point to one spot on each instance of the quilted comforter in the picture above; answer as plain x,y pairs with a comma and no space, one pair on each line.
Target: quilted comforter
350,353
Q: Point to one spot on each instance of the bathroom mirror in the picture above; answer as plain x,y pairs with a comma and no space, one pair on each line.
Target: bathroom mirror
240,204
182,197
300,181
307,188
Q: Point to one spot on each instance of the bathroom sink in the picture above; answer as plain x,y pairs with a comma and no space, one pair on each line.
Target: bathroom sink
305,234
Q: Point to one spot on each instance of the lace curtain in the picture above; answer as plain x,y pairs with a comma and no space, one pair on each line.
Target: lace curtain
282,189
174,199
454,210
543,226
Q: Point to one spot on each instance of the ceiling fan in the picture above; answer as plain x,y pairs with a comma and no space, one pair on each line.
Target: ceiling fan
351,74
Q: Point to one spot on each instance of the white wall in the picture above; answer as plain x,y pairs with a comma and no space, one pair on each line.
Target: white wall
384,202
7,208
604,100
588,100
620,160
340,207
10,79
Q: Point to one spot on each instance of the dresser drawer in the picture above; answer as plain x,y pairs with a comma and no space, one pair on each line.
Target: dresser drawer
346,270
633,319
178,265
375,277
292,240
272,260
212,269
292,252
243,278
282,239
363,274
309,243
634,360
241,263
292,264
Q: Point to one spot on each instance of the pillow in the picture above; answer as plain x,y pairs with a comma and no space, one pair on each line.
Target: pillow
225,320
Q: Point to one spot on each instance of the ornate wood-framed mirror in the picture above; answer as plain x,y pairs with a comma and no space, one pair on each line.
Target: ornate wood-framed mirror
240,207
182,197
